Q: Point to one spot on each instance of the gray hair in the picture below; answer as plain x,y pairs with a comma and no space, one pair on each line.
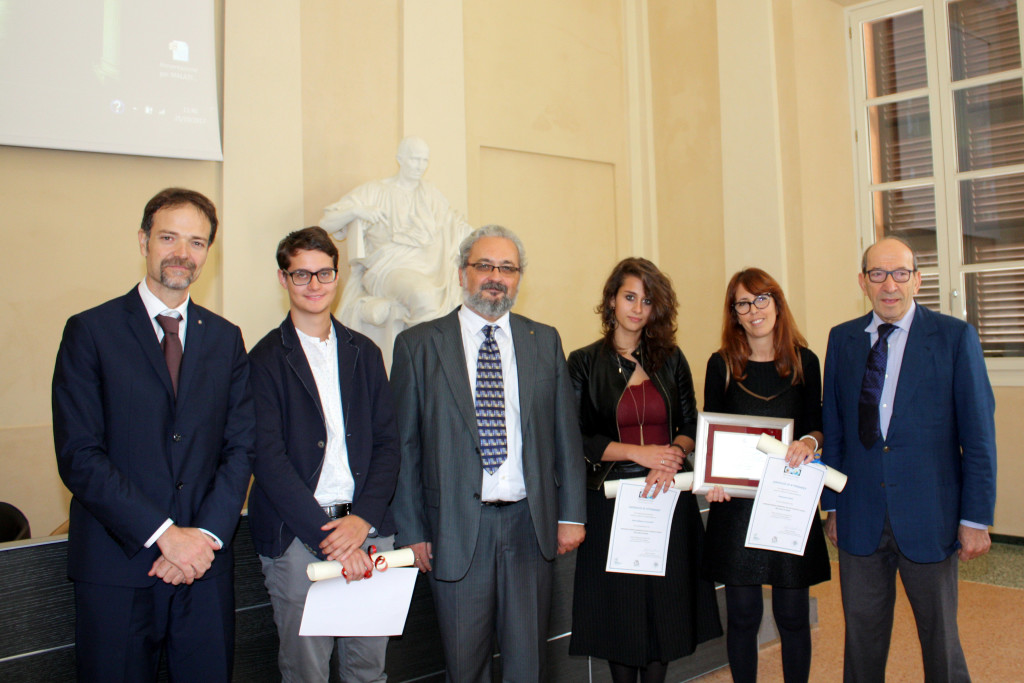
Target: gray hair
897,238
491,231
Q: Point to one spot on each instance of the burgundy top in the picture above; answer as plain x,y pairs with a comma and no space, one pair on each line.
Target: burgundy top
642,416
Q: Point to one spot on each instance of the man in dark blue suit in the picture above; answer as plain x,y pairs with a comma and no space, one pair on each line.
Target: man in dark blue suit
153,427
326,457
909,417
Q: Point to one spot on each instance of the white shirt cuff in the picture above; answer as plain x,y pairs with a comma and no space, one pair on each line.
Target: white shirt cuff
973,525
159,532
220,544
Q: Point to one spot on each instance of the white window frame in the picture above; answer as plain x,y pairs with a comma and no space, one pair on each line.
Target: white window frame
951,270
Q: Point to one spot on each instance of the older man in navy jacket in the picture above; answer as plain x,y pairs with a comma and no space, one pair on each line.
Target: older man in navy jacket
326,457
909,416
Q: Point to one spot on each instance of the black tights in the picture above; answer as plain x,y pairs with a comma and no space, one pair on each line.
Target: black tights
744,605
654,672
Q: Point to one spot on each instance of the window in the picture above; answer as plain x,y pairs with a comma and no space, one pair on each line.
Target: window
939,129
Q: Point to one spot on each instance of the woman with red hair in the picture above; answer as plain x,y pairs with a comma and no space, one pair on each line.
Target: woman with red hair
764,368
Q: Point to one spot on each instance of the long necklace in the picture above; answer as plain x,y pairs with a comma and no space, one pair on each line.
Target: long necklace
640,418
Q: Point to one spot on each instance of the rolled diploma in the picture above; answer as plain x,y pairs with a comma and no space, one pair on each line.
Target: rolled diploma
834,479
318,571
683,482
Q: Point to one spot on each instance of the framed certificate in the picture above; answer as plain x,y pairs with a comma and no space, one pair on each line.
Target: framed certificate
727,455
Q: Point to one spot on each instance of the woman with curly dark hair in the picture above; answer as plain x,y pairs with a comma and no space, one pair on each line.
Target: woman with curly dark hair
764,368
638,416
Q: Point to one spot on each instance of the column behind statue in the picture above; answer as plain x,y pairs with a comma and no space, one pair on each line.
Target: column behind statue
403,239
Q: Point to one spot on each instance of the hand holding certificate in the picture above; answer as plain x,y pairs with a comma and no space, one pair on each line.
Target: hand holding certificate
834,479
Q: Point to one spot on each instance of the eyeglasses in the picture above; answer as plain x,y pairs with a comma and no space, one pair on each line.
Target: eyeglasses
760,302
303,277
487,268
900,275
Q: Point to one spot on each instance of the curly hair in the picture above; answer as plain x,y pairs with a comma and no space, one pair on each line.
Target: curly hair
787,339
659,335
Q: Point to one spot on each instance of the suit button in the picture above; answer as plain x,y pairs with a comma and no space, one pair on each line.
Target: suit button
180,485
885,449
320,444
176,438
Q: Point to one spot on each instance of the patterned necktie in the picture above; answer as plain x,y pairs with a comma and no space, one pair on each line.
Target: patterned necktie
871,390
490,403
171,346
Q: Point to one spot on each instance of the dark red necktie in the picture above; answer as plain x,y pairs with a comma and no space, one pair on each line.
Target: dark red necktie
171,346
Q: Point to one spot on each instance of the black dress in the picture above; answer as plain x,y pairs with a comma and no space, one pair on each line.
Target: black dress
763,393
632,619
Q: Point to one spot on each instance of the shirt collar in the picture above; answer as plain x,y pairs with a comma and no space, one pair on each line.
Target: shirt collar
903,323
155,307
309,339
474,322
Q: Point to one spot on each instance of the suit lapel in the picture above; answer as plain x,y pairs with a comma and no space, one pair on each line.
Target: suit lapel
348,356
916,357
142,327
525,343
448,345
299,364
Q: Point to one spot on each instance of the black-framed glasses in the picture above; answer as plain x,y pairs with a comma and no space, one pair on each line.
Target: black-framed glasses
900,275
303,277
760,302
487,268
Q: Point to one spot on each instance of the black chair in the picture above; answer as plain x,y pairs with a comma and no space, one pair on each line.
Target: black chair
13,524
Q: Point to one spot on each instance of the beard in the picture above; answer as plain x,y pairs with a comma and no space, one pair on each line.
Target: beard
177,281
485,306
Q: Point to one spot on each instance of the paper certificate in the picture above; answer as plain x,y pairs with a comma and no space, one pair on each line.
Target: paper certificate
784,506
744,461
376,606
640,531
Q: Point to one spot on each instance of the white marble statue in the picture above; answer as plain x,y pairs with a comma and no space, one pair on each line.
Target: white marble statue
403,240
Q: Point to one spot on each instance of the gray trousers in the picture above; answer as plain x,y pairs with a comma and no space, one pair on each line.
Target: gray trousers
868,585
506,593
306,659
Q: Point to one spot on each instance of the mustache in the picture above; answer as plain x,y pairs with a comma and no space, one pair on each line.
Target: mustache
180,262
497,286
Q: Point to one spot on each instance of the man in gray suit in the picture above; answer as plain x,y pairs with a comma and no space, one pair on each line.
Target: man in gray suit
491,484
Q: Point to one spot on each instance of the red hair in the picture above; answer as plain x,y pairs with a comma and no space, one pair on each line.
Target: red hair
786,337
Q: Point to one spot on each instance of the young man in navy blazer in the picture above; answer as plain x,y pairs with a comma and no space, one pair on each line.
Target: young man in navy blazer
909,417
153,428
326,457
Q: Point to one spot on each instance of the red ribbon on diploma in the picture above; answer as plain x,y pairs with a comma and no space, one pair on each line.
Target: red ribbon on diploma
380,563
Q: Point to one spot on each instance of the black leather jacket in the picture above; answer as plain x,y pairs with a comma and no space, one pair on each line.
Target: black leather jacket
596,376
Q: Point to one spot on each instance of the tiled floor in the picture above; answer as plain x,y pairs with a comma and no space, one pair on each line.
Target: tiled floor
991,613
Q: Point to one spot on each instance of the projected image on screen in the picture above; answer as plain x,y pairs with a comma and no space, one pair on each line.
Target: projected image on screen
122,76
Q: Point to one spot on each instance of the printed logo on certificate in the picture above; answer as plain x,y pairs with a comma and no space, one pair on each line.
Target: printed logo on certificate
726,454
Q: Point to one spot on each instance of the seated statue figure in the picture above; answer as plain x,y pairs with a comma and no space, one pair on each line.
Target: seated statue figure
403,239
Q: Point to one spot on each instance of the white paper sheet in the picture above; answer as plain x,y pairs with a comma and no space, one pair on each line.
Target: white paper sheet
736,456
834,479
785,504
640,531
371,607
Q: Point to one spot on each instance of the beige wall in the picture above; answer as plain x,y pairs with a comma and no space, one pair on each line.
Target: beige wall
547,152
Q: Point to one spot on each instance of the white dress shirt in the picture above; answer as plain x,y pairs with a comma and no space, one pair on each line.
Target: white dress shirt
507,482
336,484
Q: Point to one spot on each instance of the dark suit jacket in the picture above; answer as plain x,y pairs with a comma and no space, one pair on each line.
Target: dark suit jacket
291,438
438,495
937,464
131,454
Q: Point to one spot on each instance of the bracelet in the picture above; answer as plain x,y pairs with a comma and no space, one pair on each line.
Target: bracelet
816,445
681,449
